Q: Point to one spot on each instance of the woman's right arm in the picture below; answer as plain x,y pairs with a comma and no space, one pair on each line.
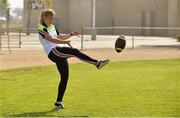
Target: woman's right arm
56,40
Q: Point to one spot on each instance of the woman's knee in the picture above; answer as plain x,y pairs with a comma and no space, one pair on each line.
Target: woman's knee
75,50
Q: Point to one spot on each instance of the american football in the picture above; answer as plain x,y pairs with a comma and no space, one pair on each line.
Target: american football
120,43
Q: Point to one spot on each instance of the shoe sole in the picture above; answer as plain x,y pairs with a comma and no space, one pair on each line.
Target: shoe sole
107,61
58,107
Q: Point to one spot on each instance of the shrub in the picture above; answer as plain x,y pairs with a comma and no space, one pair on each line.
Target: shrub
178,37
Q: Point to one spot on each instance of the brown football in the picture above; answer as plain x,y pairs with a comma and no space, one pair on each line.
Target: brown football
120,44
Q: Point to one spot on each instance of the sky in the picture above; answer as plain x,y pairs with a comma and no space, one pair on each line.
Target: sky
16,3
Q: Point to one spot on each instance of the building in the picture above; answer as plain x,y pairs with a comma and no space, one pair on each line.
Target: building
72,14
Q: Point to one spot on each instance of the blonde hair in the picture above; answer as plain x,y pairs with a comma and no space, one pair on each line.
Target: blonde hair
46,13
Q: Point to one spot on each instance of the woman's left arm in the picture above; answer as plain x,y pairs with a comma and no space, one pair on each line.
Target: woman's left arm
66,36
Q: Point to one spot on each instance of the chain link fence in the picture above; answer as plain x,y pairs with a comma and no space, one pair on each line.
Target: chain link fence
19,39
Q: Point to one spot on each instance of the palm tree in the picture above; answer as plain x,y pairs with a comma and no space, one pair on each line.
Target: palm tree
3,7
49,3
3,3
4,11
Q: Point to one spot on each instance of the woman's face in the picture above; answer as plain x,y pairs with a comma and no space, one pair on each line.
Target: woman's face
49,20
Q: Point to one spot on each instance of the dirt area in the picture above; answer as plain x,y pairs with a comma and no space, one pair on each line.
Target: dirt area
39,58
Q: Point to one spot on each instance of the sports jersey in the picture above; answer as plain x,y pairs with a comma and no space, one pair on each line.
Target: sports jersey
52,31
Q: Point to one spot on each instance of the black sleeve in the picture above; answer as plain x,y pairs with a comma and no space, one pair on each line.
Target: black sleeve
41,32
57,31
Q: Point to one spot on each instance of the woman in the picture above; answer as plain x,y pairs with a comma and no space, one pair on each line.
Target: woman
50,39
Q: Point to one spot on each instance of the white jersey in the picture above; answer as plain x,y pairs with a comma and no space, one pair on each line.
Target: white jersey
52,31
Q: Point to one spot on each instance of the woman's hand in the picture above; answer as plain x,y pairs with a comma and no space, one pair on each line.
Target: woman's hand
67,36
68,43
76,33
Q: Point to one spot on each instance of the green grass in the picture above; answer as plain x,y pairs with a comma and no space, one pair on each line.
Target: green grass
124,88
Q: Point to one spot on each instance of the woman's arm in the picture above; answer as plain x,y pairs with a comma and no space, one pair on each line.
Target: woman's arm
56,40
66,36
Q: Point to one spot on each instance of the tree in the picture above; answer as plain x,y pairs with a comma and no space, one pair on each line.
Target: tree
18,12
49,3
3,7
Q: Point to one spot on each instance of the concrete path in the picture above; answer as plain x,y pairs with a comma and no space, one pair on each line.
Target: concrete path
31,42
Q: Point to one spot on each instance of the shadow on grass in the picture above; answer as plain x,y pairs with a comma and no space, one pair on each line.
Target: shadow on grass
35,114
41,114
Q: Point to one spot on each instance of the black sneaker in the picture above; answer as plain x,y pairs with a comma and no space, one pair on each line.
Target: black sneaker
59,105
100,64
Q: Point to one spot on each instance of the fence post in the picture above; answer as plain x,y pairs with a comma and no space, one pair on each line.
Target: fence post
20,42
8,40
82,38
132,38
0,41
93,35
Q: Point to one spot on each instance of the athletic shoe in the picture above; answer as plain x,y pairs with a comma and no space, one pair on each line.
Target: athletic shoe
100,64
59,105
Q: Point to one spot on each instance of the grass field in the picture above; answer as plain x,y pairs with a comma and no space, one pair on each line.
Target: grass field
124,88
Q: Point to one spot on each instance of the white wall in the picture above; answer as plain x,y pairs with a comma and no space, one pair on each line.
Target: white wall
73,14
104,16
79,14
62,14
145,13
